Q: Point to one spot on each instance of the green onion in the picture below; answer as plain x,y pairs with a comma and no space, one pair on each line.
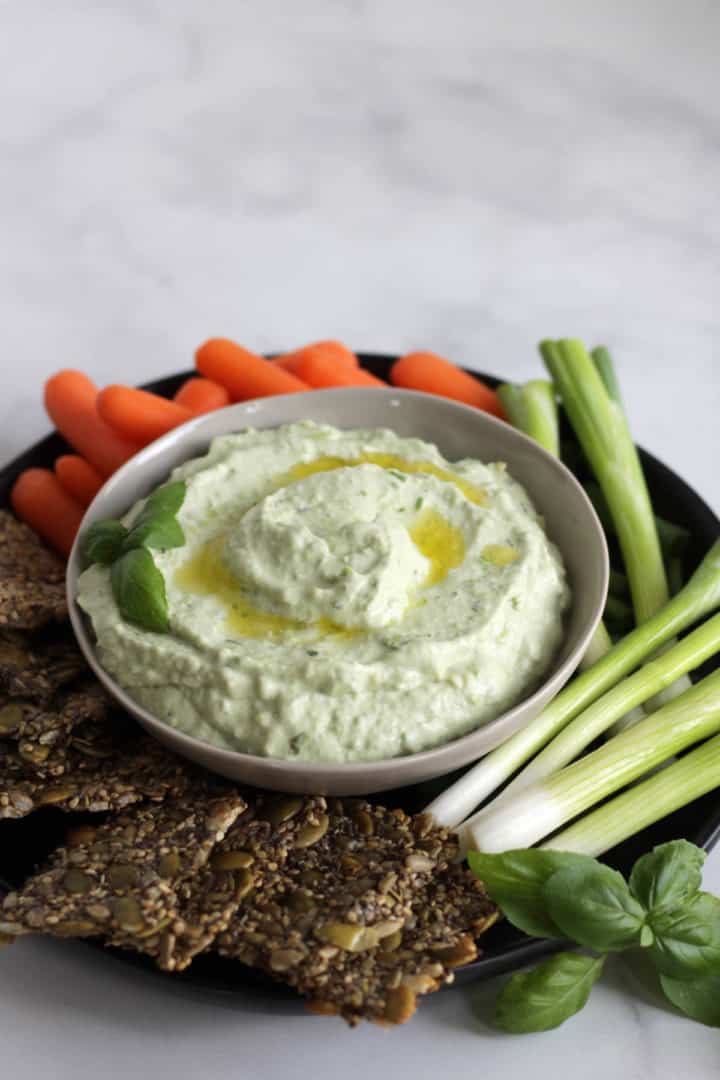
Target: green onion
600,643
688,778
647,681
674,539
700,597
590,393
539,810
532,409
606,370
600,425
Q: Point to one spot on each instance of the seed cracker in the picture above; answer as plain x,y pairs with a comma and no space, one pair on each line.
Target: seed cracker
43,734
339,905
34,668
32,578
120,879
448,915
142,770
253,850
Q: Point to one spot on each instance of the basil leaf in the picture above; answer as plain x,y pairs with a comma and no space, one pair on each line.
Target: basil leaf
103,541
551,993
515,879
593,906
687,938
668,875
166,500
139,590
697,998
162,531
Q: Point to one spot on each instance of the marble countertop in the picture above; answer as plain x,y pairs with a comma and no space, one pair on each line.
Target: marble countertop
466,177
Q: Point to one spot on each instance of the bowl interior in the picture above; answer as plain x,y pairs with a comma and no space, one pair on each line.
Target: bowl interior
458,431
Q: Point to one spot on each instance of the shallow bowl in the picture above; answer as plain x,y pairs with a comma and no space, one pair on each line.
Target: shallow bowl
459,431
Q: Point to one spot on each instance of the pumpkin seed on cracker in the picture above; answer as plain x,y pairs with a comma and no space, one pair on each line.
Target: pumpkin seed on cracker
339,920
139,769
32,578
122,880
448,914
43,734
34,669
253,850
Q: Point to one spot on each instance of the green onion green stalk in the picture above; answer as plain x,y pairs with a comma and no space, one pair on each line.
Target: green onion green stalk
532,409
687,779
589,389
601,428
662,671
538,810
700,597
674,539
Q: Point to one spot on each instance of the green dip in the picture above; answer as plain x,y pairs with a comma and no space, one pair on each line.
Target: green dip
341,596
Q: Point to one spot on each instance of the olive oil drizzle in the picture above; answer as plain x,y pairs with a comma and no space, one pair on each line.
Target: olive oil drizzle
442,544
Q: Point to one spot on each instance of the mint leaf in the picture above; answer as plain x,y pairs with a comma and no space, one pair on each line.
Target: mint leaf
139,590
551,993
668,875
103,541
593,906
697,998
162,531
687,938
166,500
515,880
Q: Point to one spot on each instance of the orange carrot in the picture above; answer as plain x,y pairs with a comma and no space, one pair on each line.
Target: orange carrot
335,351
39,498
244,374
138,414
321,371
70,400
80,479
431,373
202,395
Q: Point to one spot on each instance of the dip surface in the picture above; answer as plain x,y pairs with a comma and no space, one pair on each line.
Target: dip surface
341,596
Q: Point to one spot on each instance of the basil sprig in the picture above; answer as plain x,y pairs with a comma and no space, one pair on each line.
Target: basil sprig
564,895
137,584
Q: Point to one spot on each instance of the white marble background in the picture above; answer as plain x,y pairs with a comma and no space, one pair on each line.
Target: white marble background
468,177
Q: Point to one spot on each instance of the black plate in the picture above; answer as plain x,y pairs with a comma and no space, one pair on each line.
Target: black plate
26,842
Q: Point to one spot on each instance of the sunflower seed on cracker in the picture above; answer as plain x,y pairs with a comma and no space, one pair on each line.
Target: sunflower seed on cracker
32,578
122,880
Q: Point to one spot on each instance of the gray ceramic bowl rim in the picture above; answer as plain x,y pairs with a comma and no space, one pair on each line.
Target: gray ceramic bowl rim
245,411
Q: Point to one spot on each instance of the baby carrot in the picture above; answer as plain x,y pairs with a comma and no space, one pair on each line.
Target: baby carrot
70,400
334,351
244,374
321,372
80,479
39,499
202,395
431,373
138,414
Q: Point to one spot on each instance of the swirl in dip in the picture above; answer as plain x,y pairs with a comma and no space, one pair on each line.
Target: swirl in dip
340,596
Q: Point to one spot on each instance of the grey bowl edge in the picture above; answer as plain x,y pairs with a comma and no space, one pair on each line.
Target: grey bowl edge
459,431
